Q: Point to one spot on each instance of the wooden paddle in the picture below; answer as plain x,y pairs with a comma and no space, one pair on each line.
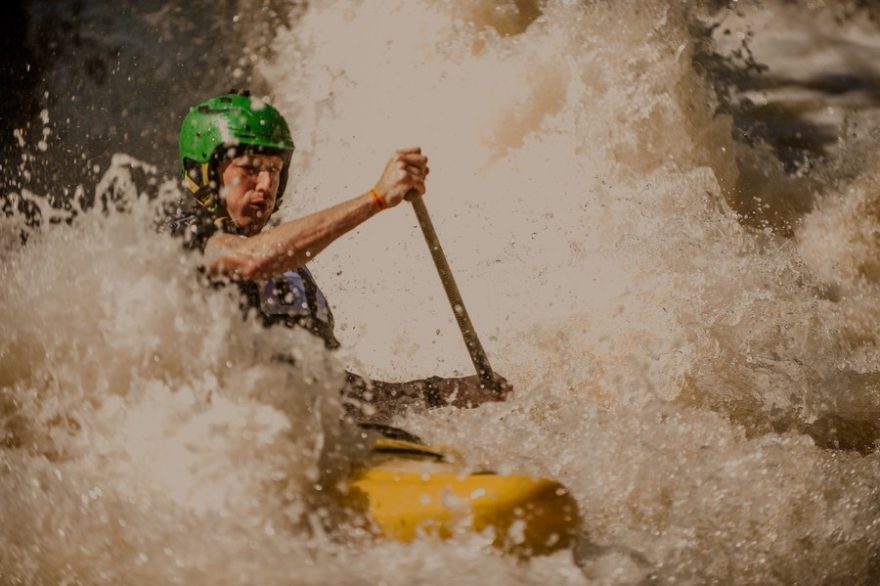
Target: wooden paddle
475,349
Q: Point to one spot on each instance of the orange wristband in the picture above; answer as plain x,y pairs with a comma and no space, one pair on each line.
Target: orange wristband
378,199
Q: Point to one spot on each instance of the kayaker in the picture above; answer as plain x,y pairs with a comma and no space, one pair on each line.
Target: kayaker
235,153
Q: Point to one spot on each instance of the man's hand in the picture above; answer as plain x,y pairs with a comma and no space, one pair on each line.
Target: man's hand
464,392
406,169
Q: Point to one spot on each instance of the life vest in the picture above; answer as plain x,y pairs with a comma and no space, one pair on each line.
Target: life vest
293,298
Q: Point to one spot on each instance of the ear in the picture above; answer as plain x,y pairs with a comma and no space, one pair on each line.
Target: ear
221,168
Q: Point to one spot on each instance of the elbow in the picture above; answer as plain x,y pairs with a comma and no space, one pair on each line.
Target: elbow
233,258
247,269
252,269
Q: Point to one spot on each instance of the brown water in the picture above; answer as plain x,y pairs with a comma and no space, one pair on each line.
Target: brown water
691,331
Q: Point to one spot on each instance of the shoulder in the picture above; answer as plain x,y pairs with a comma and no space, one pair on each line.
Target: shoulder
195,225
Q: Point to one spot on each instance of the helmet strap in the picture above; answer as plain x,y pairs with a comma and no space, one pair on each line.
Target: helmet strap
201,189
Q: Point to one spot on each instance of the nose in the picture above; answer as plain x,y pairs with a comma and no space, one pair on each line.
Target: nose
264,180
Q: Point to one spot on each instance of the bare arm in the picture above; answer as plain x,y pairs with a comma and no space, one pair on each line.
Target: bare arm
288,246
292,244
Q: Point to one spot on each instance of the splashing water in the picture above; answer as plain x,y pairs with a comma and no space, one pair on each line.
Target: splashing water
706,389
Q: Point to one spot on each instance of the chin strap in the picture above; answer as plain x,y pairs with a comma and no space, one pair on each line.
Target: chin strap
201,190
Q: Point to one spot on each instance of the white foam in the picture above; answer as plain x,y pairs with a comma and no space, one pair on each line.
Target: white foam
673,368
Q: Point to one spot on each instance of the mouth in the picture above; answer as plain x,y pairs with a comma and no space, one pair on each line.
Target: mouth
260,208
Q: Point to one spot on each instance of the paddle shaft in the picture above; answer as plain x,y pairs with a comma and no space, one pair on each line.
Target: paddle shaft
475,349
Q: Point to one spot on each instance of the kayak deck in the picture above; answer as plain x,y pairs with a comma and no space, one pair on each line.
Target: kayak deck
410,489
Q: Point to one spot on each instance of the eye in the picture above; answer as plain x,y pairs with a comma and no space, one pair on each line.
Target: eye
270,170
254,170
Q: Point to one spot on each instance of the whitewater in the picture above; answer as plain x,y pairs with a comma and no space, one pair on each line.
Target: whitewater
690,327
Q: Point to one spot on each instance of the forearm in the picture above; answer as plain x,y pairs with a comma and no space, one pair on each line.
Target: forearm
379,401
375,391
290,245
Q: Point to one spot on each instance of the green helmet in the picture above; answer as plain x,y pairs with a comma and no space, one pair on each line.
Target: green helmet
224,127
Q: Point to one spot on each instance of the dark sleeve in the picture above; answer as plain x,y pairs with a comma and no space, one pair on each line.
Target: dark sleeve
386,399
194,225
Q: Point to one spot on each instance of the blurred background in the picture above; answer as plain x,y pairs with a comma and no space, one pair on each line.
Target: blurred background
84,79
114,77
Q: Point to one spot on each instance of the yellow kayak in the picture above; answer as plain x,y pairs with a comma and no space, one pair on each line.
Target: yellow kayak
409,489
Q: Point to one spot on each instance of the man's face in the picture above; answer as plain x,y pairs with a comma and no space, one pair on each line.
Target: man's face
250,186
